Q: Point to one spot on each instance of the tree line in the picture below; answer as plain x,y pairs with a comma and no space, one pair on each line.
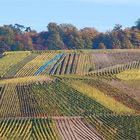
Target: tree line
66,36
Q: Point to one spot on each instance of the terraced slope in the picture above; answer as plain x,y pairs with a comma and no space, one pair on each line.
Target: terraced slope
70,95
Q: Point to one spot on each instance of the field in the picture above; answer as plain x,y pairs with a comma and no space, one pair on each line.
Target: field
70,95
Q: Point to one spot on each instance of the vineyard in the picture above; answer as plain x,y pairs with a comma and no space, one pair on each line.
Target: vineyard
70,95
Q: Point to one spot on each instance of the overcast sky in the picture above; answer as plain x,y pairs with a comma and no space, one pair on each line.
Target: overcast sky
101,14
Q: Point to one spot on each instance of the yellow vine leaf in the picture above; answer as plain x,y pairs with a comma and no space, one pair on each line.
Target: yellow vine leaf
100,97
129,75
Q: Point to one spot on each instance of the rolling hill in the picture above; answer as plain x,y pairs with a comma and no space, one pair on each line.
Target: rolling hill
70,95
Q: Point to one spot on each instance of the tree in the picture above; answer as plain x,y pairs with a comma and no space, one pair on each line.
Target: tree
116,44
135,39
67,36
67,28
102,46
3,47
88,34
117,27
53,28
19,27
54,42
71,37
102,38
28,29
138,23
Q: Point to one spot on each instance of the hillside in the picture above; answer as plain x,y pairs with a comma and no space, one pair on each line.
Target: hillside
70,95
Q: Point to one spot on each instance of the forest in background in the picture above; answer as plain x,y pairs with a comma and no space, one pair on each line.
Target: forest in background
66,36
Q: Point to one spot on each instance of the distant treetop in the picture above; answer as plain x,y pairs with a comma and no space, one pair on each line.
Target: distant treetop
66,36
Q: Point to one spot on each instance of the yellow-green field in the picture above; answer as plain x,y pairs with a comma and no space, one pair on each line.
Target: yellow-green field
129,75
100,97
70,95
26,80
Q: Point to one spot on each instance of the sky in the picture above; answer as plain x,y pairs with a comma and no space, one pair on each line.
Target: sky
101,14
